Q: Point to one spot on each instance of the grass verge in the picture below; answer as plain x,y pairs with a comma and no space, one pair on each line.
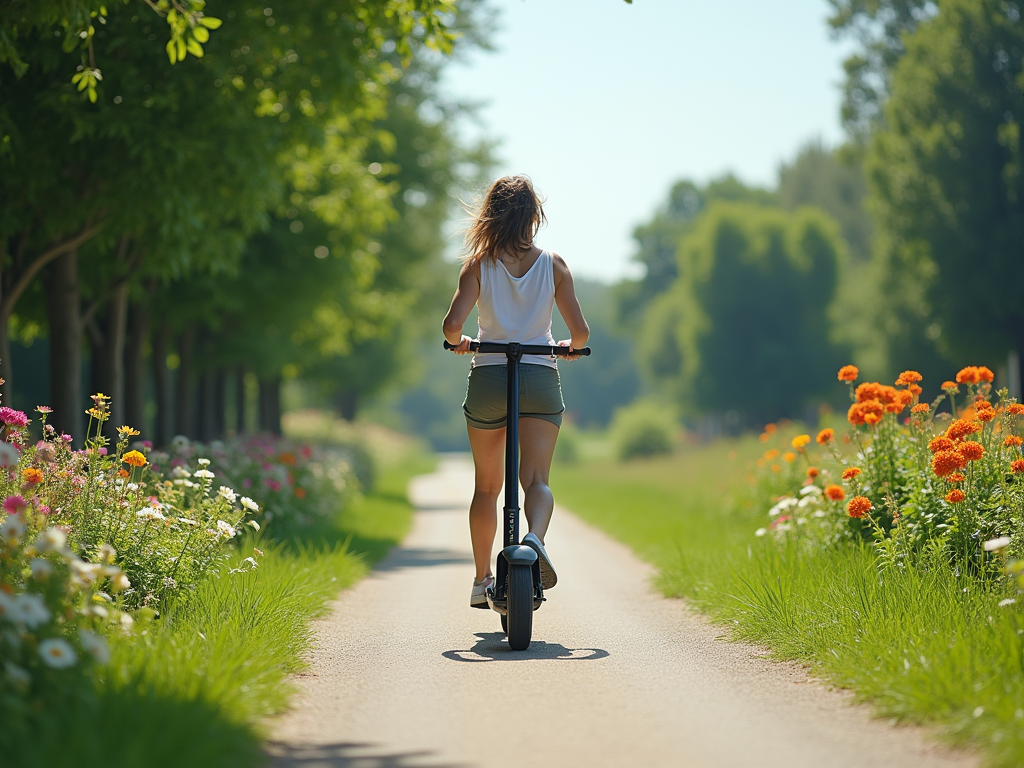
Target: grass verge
194,688
923,646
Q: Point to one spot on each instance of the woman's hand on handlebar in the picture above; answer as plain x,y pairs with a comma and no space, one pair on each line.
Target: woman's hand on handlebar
570,356
463,348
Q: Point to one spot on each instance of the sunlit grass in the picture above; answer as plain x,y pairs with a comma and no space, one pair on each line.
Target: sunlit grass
922,645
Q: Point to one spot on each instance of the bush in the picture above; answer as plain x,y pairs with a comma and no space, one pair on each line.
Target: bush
567,449
643,428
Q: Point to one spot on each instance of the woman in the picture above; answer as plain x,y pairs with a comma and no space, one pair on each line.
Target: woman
515,285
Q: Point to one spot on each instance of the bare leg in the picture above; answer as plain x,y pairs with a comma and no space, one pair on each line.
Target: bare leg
536,447
488,446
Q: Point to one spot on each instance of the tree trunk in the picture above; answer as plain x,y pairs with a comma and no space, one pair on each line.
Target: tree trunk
270,405
1015,362
219,403
65,346
162,385
135,369
6,372
346,403
207,425
240,400
185,411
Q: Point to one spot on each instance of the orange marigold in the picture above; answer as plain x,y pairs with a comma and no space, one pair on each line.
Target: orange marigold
1017,467
955,496
834,492
771,453
907,378
986,414
950,387
968,375
123,473
1012,441
871,419
984,374
961,428
789,456
971,450
914,390
955,477
980,401
859,412
134,459
800,441
770,428
813,472
940,443
32,475
1015,408
945,462
920,408
850,472
848,373
825,436
858,506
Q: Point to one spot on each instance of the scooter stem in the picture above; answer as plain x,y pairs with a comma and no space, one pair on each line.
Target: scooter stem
513,354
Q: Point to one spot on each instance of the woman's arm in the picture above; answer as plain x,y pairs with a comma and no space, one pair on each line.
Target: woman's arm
465,298
568,305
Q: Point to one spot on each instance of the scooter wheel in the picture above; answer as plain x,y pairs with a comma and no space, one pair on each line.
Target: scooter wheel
520,607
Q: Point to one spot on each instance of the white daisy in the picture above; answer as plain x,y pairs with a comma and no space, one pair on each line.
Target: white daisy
40,568
228,494
249,504
29,610
17,675
51,540
204,473
57,653
225,528
95,645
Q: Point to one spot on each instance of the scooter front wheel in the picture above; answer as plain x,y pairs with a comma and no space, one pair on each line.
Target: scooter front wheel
519,622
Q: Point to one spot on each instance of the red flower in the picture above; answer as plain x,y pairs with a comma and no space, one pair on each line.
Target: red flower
859,506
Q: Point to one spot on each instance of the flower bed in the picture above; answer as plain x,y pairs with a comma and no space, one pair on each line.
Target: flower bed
917,481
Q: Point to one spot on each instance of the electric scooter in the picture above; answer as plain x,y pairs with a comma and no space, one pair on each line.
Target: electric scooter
517,591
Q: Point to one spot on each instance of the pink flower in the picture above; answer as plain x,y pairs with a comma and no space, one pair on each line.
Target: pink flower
147,444
14,504
274,485
13,418
247,483
44,409
103,451
306,451
44,510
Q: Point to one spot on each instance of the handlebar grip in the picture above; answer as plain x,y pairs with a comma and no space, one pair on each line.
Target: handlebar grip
528,349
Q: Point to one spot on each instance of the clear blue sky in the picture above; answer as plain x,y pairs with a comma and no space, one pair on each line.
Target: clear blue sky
606,104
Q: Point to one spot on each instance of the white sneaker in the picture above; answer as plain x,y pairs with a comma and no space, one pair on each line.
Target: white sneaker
478,598
548,577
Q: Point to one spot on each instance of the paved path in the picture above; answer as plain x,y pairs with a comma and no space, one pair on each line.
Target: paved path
406,675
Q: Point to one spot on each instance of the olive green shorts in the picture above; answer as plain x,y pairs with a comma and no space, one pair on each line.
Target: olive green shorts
540,395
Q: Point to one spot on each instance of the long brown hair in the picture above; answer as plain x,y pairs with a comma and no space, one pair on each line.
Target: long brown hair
507,219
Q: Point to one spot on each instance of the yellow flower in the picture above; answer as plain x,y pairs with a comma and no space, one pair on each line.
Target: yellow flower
789,457
128,431
134,458
800,441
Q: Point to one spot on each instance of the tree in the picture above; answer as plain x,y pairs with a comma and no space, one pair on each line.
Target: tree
749,313
946,176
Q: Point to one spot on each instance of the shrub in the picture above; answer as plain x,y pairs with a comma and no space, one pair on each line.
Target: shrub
643,428
567,449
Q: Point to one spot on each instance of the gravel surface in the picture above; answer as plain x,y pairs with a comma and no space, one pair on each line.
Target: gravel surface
406,675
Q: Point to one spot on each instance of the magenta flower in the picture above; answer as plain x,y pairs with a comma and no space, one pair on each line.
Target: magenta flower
13,418
14,504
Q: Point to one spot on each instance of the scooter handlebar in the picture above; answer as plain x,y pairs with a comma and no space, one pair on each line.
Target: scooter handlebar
491,347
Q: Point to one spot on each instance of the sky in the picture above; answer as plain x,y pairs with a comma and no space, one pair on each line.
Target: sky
605,104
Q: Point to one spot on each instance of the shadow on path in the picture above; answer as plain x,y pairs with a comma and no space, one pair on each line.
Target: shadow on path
491,646
350,755
413,557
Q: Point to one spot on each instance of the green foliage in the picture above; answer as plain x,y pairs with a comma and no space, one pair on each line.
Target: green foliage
751,305
642,429
946,180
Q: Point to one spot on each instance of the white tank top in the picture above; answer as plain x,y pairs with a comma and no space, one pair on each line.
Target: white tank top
516,308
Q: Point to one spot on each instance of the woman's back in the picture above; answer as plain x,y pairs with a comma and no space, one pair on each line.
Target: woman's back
516,308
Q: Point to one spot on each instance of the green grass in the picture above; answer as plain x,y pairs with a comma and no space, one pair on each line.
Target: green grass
195,688
923,646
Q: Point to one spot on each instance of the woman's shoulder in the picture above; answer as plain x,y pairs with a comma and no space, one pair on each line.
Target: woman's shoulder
558,263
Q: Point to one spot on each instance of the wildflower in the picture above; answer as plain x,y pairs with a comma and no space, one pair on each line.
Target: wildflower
770,429
871,419
1012,441
945,462
984,374
859,412
300,493
14,504
249,504
257,552
812,472
904,397
29,610
907,378
955,496
986,415
8,455
119,582
203,473
57,653
968,375
13,418
1017,467
788,456
180,473
859,506
961,428
17,675
834,493
99,397
940,444
800,441
40,568
955,477
134,459
148,513
825,436
1015,408
950,388
12,529
1007,601
850,472
31,475
203,462
188,522
771,454
127,431
44,409
848,373
994,545
95,645
971,450
255,526
228,494
106,553
760,531
225,529
920,408
287,458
